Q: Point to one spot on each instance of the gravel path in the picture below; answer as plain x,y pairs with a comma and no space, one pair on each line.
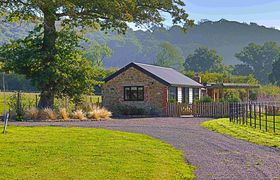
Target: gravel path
217,156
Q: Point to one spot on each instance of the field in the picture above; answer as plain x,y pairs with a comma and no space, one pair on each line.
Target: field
29,100
244,132
83,153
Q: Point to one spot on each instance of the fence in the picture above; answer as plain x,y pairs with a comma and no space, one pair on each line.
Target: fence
214,110
263,116
20,100
178,109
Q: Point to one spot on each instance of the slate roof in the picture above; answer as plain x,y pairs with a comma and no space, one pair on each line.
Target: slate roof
164,75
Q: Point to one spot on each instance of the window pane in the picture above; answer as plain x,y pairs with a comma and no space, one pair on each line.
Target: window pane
126,93
133,93
195,93
140,93
186,95
172,93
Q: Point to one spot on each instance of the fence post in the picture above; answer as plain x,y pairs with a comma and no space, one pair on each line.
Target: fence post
238,113
243,113
255,116
231,111
250,109
260,116
266,118
6,119
246,113
274,114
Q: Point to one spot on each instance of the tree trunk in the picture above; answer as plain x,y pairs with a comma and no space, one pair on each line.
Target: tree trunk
46,100
49,52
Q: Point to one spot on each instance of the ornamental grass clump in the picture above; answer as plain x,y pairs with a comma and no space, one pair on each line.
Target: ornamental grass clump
48,114
99,114
63,113
78,114
104,113
94,114
32,113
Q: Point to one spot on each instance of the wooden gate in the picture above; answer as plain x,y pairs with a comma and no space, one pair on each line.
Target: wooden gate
179,109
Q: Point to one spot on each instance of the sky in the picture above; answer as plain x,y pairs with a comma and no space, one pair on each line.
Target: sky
262,12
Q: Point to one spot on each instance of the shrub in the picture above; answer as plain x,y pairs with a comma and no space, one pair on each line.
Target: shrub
48,113
205,99
172,101
130,110
87,107
32,113
78,114
63,113
233,99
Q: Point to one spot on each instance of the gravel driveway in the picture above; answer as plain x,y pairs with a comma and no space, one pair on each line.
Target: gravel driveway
217,156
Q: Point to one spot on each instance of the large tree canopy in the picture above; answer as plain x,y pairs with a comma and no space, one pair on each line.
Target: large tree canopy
50,60
203,60
259,58
242,69
169,56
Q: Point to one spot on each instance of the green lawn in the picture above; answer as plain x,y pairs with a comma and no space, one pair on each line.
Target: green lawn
260,123
243,132
84,153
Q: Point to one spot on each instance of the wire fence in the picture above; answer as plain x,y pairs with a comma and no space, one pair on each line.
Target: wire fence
27,100
264,116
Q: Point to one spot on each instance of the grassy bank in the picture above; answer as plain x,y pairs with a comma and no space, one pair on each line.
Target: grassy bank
82,153
243,132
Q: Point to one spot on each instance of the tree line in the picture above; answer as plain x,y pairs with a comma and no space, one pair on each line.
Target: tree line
261,62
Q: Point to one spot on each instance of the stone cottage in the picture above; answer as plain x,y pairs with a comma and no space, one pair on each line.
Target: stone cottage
148,87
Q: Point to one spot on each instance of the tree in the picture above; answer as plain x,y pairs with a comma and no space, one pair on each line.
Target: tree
169,56
96,53
275,74
260,58
242,69
41,56
203,60
69,72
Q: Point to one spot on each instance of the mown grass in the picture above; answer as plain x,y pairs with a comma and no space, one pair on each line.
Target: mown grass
81,153
260,122
243,132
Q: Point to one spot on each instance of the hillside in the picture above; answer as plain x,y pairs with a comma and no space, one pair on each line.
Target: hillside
227,37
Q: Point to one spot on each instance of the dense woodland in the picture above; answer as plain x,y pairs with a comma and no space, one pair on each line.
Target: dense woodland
227,37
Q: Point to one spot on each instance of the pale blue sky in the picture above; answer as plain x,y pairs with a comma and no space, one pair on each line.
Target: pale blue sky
262,12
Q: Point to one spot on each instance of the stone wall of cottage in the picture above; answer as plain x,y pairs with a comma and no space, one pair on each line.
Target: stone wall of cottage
155,93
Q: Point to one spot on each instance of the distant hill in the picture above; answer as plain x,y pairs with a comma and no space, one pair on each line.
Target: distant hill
227,37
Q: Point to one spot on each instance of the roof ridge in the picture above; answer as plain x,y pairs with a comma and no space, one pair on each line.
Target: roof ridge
153,65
